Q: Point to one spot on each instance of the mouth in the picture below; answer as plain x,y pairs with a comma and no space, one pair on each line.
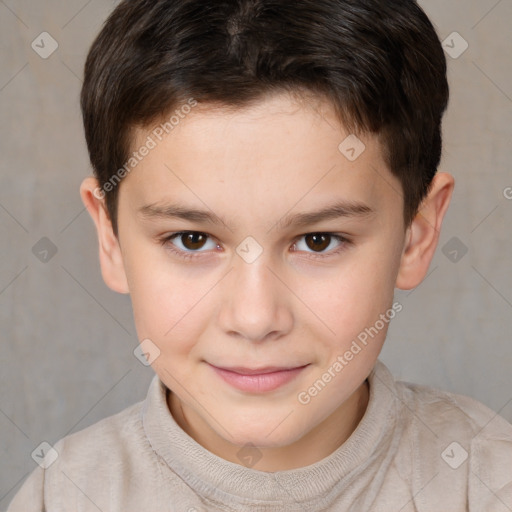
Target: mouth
258,380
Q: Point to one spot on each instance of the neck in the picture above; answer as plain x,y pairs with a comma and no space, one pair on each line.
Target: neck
317,444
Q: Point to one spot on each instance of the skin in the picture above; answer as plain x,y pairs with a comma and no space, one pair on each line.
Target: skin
252,167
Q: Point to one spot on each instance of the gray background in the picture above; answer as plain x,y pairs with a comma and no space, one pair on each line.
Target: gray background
66,356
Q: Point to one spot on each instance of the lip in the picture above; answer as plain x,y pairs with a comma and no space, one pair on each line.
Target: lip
258,380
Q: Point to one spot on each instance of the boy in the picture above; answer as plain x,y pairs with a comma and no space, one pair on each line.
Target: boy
265,176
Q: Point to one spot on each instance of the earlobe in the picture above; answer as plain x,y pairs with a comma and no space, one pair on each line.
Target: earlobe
111,261
423,234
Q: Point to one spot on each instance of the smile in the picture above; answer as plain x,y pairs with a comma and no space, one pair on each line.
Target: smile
258,380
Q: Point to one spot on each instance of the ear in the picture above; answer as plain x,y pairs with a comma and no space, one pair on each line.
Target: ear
111,261
423,234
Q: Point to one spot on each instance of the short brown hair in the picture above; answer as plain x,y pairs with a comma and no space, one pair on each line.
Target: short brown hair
380,64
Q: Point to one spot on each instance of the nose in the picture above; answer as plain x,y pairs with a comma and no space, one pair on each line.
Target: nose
256,304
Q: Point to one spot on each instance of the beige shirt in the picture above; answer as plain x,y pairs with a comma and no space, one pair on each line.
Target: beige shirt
416,449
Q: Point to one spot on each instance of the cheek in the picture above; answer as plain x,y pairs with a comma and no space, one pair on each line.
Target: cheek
168,305
353,297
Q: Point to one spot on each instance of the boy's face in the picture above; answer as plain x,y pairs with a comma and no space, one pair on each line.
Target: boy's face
298,304
259,292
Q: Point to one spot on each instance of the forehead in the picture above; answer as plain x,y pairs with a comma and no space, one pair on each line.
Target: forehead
278,150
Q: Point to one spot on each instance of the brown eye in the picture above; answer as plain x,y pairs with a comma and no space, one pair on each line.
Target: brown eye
321,245
318,241
193,240
188,244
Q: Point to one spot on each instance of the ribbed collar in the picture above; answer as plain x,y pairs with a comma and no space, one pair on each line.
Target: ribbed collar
218,479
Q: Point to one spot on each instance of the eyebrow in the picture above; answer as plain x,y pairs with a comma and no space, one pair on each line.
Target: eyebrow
336,210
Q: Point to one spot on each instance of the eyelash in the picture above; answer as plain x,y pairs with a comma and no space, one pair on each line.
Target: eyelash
190,255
